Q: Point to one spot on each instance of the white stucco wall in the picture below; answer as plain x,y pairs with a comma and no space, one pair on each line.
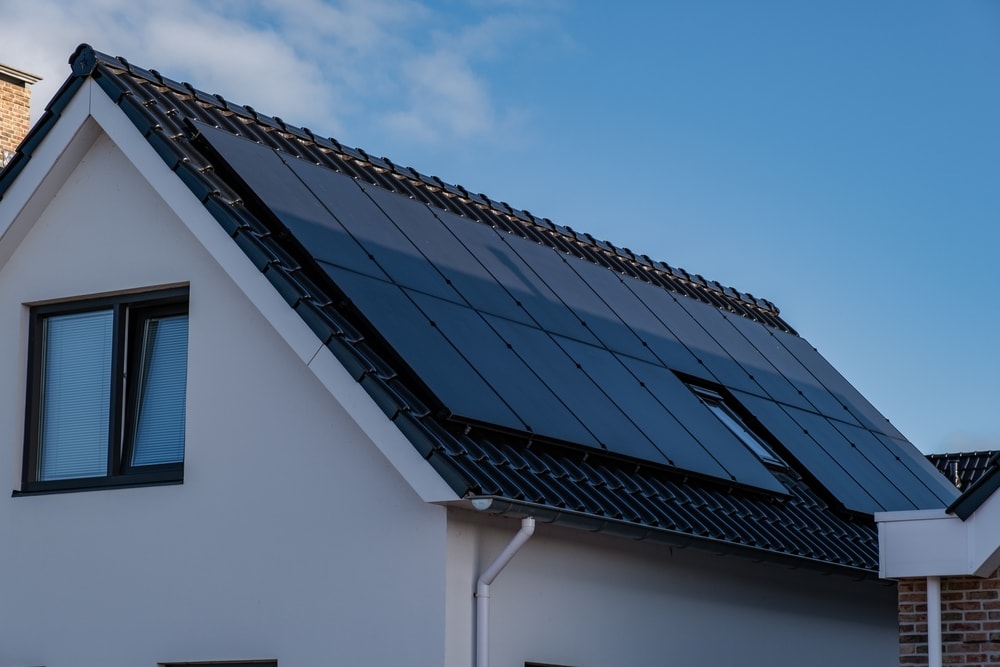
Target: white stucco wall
292,537
586,600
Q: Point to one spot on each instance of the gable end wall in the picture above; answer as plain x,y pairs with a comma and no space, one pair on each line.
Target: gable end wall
291,535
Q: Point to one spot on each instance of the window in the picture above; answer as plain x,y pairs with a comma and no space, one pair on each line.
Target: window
237,663
106,392
715,402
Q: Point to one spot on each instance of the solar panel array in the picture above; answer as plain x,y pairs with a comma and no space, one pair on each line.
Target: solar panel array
508,332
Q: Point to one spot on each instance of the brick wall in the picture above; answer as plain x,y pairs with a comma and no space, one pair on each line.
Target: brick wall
970,619
15,102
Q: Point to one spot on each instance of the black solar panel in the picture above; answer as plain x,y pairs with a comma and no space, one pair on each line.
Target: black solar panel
290,200
833,472
697,439
540,409
761,375
352,209
471,282
418,340
645,323
771,344
942,487
713,362
507,331
836,384
899,470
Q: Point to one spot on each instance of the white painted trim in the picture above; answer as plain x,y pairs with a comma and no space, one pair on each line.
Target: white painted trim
934,654
935,543
91,112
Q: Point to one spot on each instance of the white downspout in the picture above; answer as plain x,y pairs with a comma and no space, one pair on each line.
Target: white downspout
933,622
483,589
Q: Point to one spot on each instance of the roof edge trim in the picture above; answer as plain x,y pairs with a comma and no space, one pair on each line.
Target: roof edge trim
507,507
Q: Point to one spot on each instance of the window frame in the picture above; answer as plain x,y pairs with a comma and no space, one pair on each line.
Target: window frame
718,404
130,312
223,663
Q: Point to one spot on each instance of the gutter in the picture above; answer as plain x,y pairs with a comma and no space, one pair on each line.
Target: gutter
483,589
934,655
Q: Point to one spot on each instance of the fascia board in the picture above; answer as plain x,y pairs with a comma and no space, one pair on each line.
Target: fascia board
51,163
417,472
984,537
921,544
935,543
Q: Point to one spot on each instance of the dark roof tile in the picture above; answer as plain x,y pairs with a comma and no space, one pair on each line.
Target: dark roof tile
963,468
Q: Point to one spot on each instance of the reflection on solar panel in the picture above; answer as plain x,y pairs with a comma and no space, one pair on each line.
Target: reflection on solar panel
508,332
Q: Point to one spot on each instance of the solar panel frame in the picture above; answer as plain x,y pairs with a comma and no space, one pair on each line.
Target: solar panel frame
803,447
714,362
531,294
346,202
266,174
540,409
564,274
887,460
940,485
458,265
505,331
863,411
709,447
771,343
611,426
419,343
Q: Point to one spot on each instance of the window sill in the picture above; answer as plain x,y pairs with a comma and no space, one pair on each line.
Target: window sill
100,483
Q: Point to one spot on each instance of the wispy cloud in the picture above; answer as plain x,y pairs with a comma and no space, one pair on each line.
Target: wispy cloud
394,65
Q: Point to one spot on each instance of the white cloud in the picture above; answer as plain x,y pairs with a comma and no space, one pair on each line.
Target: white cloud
444,99
399,65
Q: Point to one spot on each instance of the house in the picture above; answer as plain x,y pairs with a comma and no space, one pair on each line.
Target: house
271,400
946,561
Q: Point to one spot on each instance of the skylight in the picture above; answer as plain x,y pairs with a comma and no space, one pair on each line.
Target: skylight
717,404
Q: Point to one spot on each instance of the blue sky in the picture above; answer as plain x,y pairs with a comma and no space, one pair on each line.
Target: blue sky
839,159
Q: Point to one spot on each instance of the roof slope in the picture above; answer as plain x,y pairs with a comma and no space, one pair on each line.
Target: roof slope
532,365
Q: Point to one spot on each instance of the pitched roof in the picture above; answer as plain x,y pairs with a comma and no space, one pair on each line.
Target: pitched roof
977,474
963,468
537,369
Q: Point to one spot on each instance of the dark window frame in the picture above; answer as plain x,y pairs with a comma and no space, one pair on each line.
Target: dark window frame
722,407
222,663
130,313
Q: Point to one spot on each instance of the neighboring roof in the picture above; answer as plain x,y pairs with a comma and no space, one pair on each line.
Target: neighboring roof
535,367
983,472
963,468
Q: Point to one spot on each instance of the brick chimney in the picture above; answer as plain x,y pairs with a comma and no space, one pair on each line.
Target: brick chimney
15,106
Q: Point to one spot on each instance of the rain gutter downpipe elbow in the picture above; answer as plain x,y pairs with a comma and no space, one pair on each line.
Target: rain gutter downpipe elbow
483,589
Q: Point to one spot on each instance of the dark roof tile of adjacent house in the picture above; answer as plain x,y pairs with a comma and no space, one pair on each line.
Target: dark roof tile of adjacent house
538,370
963,468
977,474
